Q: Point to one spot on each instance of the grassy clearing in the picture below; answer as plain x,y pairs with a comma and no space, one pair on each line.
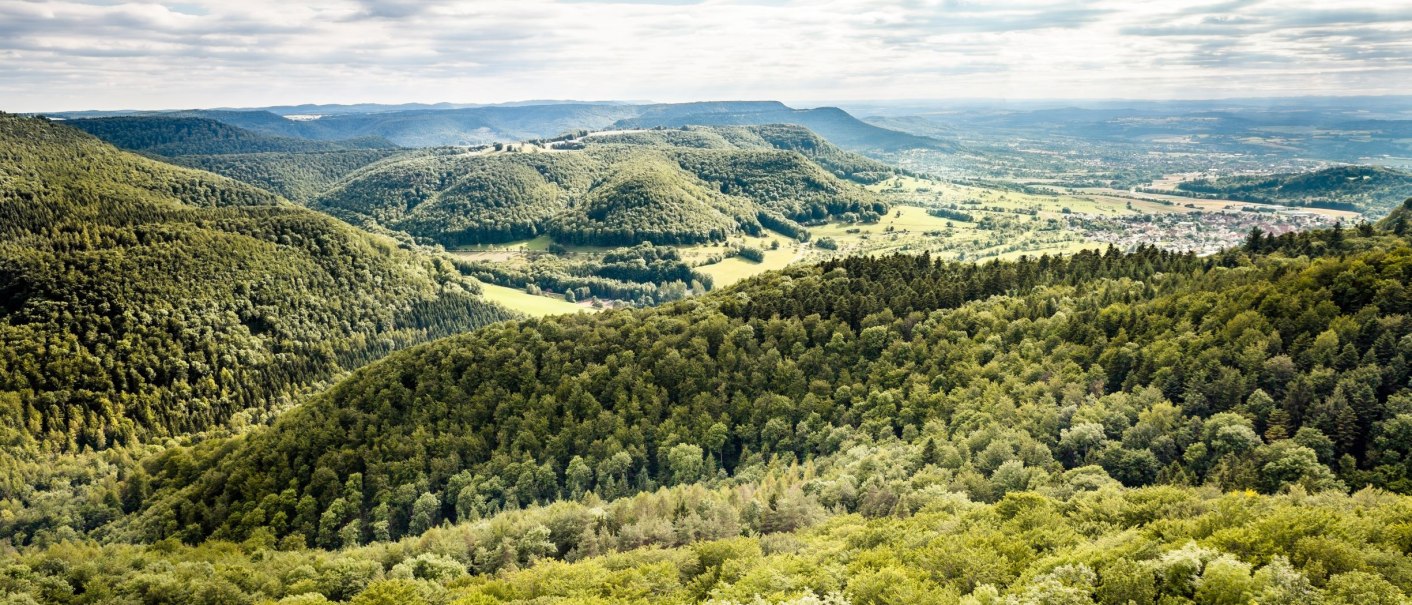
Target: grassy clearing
530,304
734,269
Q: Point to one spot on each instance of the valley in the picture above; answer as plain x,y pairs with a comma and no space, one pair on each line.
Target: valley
1004,224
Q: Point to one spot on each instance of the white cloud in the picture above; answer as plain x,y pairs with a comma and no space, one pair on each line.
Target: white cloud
57,55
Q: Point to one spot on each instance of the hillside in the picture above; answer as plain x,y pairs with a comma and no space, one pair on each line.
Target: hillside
298,176
783,182
1143,369
140,300
1369,189
649,198
781,137
177,136
580,194
458,198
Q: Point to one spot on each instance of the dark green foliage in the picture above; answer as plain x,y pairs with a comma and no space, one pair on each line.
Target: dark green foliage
140,300
457,198
649,198
173,136
1149,346
646,263
1369,189
783,182
955,215
750,253
296,176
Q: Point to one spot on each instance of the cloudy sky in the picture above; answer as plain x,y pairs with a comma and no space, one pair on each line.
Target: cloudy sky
63,55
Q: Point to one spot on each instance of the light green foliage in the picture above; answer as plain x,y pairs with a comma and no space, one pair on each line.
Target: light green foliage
1111,546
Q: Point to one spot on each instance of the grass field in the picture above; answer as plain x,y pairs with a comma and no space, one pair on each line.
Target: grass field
530,304
734,269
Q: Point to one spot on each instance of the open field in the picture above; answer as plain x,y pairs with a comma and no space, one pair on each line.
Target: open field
734,269
530,304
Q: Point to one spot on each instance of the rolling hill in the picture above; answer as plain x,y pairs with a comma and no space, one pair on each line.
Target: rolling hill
298,176
140,300
1369,189
648,198
1145,427
832,123
579,191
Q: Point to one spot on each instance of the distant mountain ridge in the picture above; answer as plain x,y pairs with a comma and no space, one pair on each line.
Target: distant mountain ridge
438,125
174,135
834,124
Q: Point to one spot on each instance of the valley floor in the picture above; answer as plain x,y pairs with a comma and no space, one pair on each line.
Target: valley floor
1005,225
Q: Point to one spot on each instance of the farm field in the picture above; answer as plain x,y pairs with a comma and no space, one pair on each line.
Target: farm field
530,304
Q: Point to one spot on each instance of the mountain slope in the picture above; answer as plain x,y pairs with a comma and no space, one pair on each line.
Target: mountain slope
175,136
1288,368
649,198
140,300
757,174
782,137
298,176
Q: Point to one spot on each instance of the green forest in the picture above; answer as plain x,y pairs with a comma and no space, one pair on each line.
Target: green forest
298,176
1371,189
683,186
184,135
210,394
1097,428
141,302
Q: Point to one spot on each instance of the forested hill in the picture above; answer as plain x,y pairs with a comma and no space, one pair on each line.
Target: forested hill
1370,189
179,135
1285,364
833,123
140,300
298,176
688,186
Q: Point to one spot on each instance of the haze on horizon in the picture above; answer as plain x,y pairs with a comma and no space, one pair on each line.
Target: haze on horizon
100,54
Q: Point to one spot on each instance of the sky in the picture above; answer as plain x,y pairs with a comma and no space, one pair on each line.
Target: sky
70,55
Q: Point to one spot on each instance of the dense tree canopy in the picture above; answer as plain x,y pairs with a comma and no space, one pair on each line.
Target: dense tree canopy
176,136
141,300
1244,372
667,187
297,176
1147,427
